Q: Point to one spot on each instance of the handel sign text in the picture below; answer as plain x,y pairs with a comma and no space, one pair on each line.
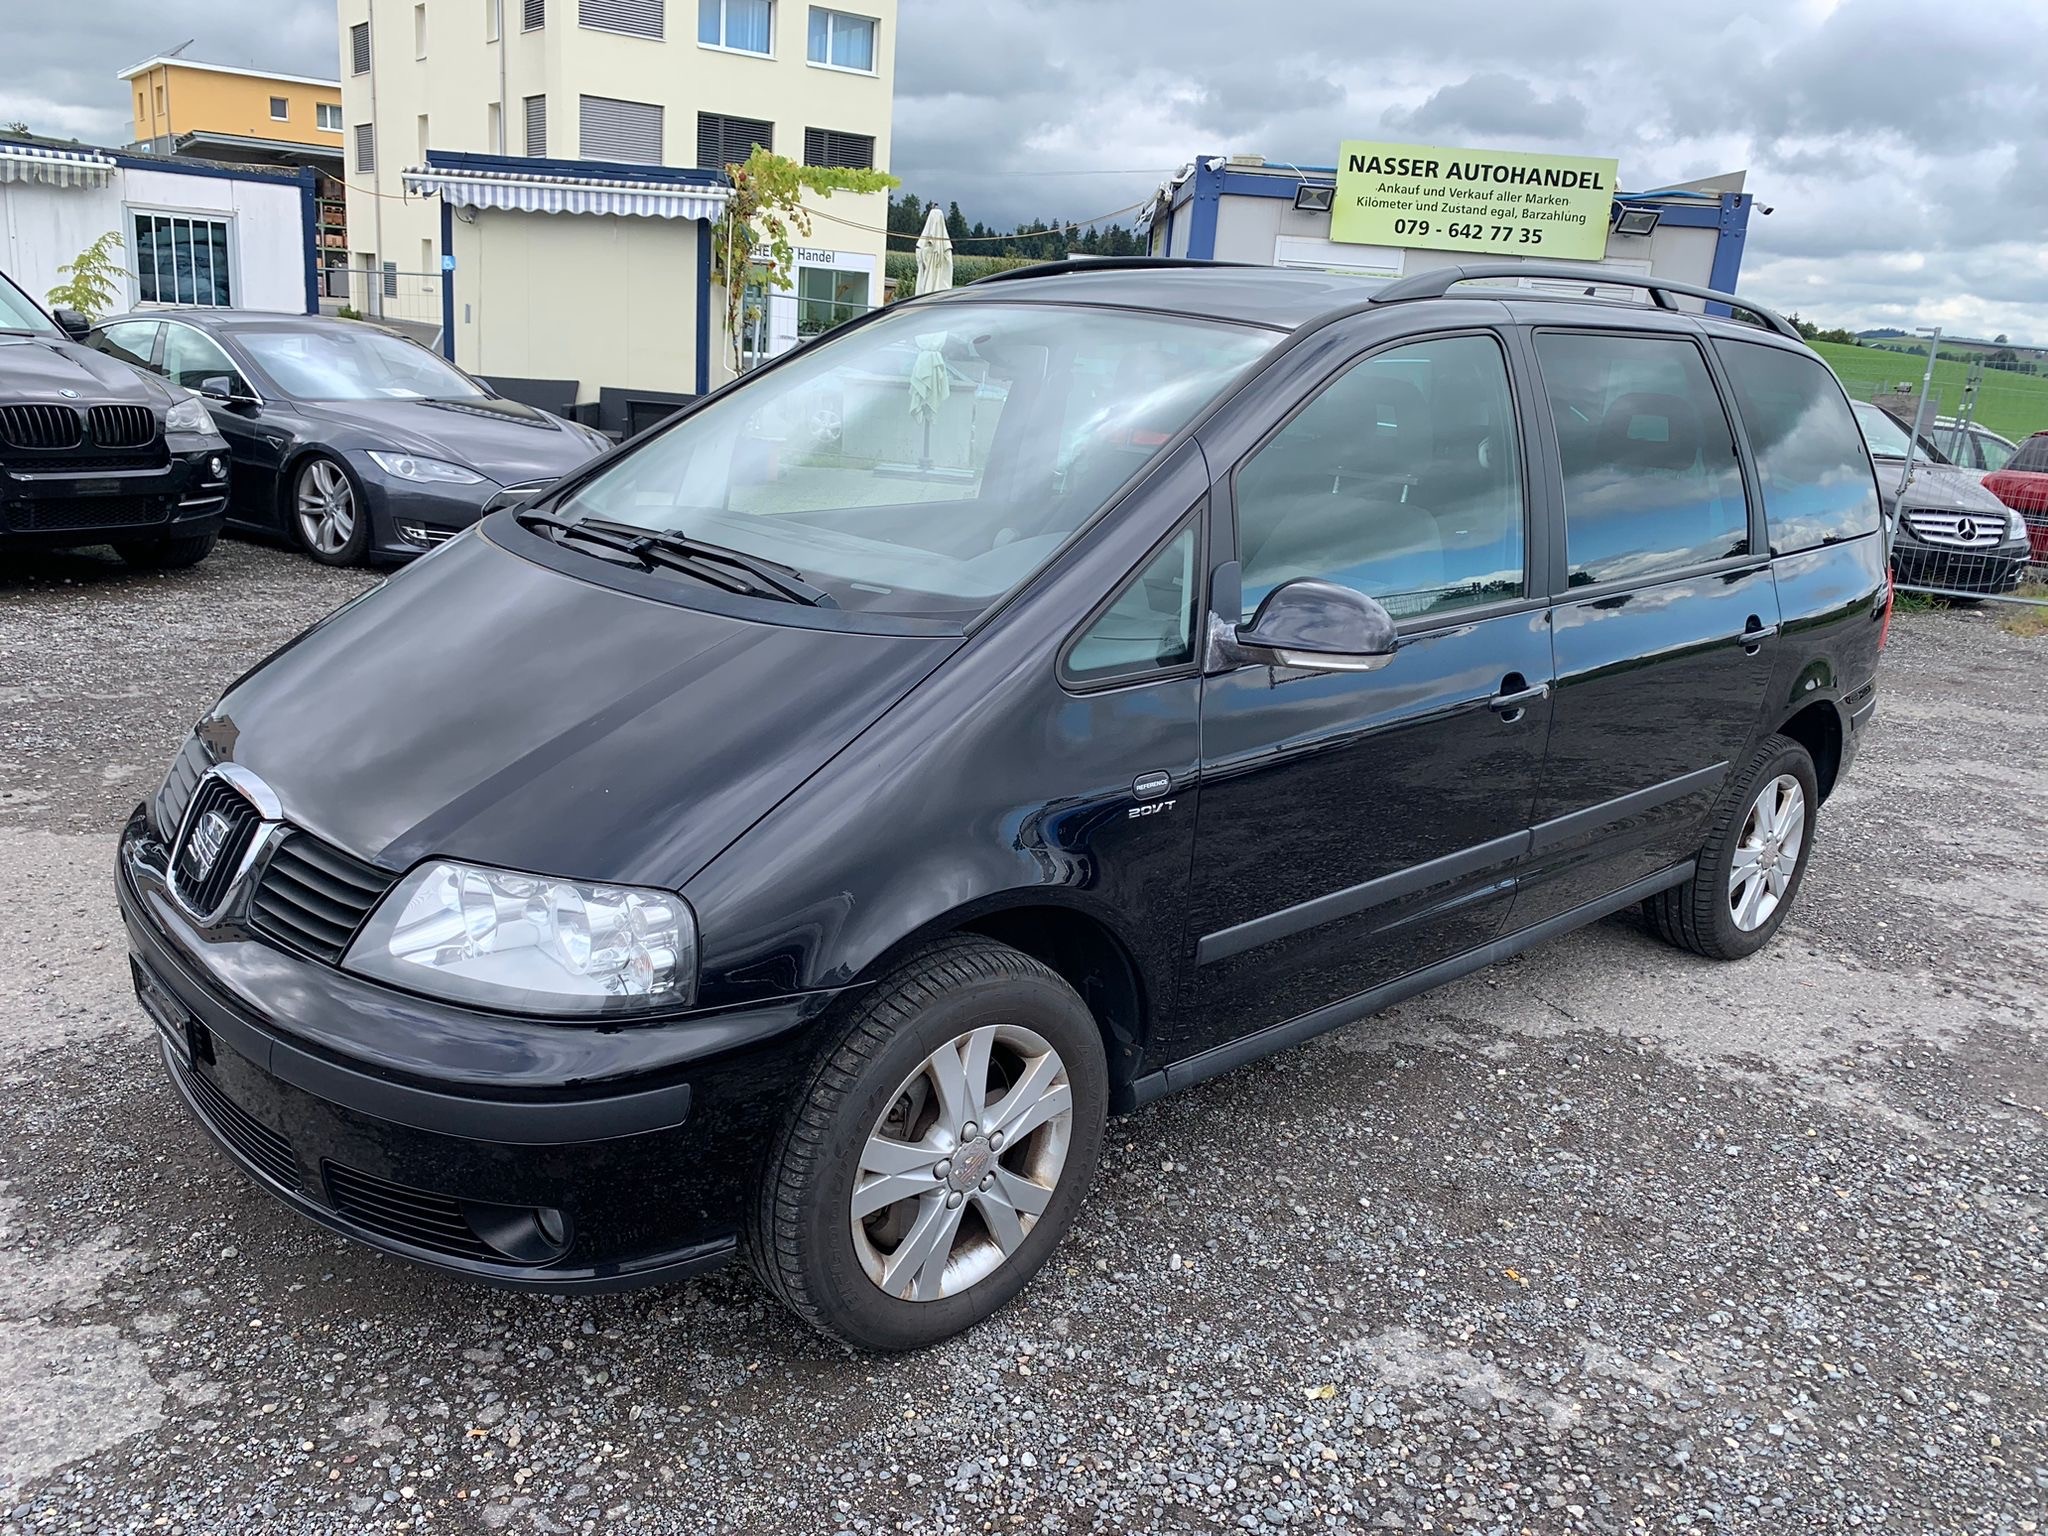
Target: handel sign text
1422,196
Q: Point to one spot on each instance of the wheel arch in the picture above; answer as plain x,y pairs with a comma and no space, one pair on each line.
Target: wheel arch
1818,728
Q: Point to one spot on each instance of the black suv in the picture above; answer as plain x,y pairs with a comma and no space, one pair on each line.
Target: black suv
93,451
798,843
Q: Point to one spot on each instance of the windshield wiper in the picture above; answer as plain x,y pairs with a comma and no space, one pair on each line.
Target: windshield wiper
709,563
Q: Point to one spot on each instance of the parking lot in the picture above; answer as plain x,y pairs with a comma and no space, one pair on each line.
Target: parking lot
1607,1238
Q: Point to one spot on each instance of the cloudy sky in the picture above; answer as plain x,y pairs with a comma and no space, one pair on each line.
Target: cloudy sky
1900,142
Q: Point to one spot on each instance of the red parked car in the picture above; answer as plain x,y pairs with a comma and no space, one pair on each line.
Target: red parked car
2023,486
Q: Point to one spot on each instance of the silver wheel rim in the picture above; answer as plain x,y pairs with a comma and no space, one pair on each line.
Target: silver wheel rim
326,506
962,1163
1773,833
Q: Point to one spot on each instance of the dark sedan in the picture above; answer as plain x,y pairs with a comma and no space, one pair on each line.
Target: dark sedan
347,438
1949,533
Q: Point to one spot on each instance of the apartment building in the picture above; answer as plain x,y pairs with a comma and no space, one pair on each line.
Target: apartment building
471,124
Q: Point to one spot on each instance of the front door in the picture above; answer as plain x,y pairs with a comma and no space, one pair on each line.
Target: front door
191,358
1355,827
1665,626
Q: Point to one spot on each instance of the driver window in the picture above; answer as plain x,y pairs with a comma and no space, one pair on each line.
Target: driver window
1401,480
191,359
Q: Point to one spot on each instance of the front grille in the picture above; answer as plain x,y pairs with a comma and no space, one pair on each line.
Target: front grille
208,853
417,1216
83,514
122,426
269,1151
1963,530
312,896
176,794
40,426
92,461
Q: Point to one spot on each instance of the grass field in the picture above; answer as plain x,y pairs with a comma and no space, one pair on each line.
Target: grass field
2010,404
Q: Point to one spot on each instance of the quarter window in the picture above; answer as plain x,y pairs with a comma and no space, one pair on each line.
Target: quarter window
745,25
1651,483
1151,625
1810,456
180,260
841,40
1402,480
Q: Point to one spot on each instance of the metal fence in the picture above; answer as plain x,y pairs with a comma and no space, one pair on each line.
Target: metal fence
405,301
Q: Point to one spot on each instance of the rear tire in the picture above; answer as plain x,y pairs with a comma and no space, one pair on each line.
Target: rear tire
168,554
853,1196
1765,825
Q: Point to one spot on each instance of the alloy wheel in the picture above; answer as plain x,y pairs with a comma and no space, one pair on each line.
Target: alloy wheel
1767,854
326,507
962,1163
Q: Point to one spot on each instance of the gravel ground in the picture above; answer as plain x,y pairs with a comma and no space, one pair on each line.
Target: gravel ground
1604,1239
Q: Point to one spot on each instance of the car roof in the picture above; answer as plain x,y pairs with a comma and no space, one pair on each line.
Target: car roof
235,319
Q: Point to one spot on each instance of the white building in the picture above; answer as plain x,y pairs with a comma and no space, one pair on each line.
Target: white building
566,156
228,236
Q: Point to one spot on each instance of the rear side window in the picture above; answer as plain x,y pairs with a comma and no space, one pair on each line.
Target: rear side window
1816,475
1151,625
1401,480
1651,483
1991,453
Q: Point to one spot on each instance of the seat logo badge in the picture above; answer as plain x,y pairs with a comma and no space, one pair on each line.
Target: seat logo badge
203,847
1148,810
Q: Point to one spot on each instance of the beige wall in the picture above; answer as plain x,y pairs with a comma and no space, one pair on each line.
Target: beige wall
627,318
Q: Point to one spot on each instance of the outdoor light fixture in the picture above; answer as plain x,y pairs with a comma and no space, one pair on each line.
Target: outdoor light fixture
1634,221
1313,199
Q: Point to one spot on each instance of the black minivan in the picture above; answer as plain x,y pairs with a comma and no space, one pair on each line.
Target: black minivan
797,840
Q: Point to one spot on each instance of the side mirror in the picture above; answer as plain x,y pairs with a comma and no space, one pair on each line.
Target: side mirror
72,323
220,388
1318,624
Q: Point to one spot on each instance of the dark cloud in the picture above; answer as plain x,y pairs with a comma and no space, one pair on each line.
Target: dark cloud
1494,107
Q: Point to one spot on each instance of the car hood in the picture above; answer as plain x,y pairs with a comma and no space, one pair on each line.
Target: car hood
502,439
1939,487
42,368
481,706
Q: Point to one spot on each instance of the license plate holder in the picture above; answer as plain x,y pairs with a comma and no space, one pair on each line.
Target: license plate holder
185,1035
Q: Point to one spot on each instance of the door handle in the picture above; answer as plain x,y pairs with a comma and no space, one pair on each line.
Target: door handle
1754,634
1509,703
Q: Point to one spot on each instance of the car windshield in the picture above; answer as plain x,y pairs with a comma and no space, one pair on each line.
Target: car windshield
346,361
1887,439
18,314
931,460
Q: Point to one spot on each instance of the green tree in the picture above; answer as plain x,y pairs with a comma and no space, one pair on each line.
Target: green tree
91,279
755,238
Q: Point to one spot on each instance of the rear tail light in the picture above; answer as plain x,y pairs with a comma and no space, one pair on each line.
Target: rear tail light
1884,628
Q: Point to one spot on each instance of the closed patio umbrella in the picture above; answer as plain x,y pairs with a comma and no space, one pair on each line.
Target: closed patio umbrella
934,255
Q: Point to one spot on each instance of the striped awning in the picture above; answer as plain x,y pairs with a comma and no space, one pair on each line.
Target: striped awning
55,167
532,192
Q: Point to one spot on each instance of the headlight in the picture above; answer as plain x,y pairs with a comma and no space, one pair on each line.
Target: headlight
2018,530
408,467
189,415
530,944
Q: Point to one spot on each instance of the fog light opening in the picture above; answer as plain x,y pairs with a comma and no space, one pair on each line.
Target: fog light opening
526,1234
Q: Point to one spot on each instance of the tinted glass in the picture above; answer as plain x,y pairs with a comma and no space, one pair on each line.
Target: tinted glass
2032,455
19,313
1402,480
1651,482
1151,626
928,460
191,359
1816,473
354,362
133,341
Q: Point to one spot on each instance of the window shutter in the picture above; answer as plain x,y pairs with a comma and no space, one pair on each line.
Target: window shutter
848,151
619,130
366,148
635,18
536,15
723,141
359,47
537,125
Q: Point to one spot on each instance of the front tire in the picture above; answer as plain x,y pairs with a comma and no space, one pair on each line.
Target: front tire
168,554
1750,869
937,1152
327,513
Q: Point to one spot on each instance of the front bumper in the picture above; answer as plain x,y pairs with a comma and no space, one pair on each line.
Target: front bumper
410,517
2001,568
54,506
539,1156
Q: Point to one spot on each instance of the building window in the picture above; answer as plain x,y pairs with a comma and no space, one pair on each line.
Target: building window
494,11
536,125
359,47
180,260
423,139
494,128
619,130
827,296
159,101
419,31
280,109
849,151
366,149
723,141
635,18
746,26
535,16
842,41
327,116
390,279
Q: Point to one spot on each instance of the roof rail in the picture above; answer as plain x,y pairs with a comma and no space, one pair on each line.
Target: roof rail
1438,281
1097,264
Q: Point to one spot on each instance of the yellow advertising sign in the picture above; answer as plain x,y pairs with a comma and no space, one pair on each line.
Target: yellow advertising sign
1427,197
